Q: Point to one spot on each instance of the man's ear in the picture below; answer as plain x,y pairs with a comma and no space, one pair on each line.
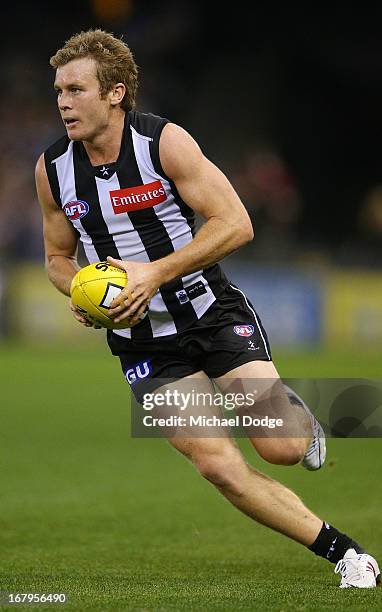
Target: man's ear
117,94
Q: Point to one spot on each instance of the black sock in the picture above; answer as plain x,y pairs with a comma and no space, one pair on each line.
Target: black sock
331,544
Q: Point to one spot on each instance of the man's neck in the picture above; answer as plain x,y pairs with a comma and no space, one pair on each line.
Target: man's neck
105,148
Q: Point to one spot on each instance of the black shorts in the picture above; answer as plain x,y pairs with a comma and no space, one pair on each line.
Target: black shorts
228,335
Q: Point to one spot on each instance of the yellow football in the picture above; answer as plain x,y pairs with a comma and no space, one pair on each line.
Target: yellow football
93,289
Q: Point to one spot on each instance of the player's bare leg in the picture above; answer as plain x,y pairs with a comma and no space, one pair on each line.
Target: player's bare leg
262,377
261,498
268,502
219,460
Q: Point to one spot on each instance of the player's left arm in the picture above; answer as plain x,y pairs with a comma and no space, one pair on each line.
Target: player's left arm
209,193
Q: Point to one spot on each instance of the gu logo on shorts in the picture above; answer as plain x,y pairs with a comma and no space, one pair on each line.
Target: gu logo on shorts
244,330
137,198
142,369
76,209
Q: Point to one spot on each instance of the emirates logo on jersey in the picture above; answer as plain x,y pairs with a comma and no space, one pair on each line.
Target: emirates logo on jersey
137,198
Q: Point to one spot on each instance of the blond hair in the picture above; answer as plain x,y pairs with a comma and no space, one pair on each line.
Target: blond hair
115,61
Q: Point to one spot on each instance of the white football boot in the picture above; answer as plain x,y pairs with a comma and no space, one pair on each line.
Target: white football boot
316,453
358,570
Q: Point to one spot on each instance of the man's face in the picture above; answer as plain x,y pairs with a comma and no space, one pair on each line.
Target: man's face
84,113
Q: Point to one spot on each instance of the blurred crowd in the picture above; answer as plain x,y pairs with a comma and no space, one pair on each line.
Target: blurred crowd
242,95
20,226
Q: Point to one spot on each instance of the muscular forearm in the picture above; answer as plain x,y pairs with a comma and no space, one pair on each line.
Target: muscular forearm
61,271
215,240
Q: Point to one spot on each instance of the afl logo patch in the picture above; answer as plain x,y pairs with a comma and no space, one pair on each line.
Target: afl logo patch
244,330
76,209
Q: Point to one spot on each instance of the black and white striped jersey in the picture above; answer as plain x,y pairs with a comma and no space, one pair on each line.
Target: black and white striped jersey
134,214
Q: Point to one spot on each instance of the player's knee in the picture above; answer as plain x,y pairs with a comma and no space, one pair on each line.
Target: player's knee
224,470
282,451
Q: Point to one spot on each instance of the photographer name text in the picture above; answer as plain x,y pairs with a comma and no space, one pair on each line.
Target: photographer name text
211,421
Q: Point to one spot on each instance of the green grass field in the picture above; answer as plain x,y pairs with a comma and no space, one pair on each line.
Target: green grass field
127,524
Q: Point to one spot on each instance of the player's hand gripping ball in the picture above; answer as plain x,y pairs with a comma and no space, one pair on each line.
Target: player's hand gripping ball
94,288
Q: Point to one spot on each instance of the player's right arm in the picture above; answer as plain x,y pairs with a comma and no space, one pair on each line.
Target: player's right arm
60,239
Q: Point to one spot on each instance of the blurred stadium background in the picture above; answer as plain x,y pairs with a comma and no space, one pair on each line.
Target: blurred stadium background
288,103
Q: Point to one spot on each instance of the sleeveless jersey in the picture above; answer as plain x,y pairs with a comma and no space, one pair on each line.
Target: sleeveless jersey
136,214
